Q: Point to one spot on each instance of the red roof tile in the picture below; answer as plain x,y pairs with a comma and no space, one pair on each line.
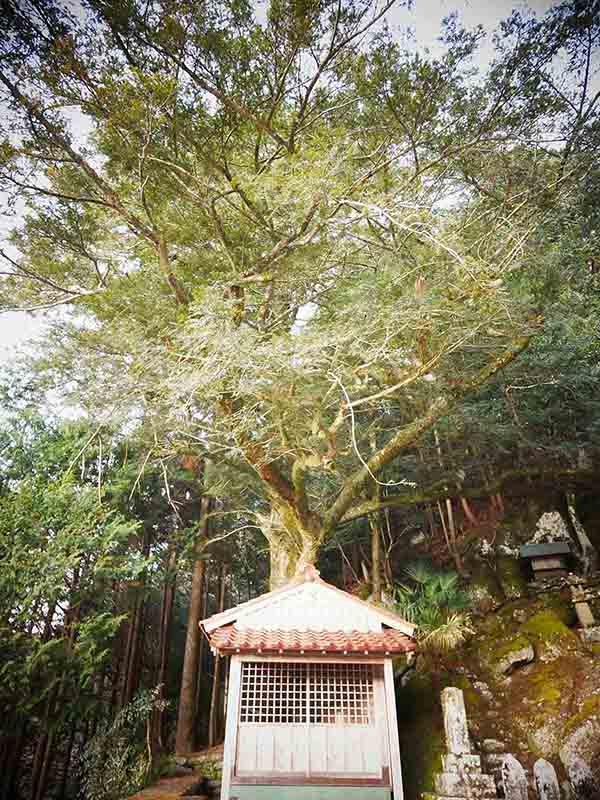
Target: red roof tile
231,639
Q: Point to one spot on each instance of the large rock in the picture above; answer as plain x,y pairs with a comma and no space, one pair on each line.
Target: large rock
581,734
514,780
585,786
549,635
545,780
514,653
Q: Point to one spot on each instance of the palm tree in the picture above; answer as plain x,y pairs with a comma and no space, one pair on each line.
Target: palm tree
434,601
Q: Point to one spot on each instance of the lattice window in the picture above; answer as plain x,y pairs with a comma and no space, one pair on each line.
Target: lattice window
341,693
273,692
295,693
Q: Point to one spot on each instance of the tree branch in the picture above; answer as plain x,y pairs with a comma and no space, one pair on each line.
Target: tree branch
440,490
410,433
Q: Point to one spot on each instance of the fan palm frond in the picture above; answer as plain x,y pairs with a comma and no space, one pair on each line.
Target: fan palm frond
434,602
447,636
420,572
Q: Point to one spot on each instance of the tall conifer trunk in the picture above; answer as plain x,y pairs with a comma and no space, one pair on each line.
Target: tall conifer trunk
214,699
156,744
184,739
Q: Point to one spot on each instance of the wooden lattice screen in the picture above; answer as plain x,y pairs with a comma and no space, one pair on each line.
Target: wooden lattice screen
296,693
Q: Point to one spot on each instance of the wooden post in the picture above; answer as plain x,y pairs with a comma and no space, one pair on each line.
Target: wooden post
392,721
231,725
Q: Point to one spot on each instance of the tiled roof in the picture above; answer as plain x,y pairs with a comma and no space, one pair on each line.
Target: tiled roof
231,639
312,603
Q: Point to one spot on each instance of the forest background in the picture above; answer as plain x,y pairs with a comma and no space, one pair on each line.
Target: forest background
310,296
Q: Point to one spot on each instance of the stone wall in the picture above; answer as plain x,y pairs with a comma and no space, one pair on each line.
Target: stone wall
485,771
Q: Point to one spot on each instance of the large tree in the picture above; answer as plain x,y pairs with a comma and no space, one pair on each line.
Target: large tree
276,240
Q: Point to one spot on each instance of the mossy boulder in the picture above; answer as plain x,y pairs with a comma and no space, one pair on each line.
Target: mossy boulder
511,577
581,733
549,635
503,656
484,588
540,704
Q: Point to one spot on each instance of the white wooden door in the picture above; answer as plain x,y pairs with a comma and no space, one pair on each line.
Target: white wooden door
311,720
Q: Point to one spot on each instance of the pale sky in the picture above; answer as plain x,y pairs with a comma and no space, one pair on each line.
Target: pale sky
425,19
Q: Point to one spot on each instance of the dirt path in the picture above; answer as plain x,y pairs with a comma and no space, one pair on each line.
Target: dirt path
171,788
166,788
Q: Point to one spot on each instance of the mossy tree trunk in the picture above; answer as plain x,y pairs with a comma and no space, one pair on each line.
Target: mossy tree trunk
293,543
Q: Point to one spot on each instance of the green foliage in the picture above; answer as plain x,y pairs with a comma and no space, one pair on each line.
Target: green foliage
212,770
298,219
116,762
434,601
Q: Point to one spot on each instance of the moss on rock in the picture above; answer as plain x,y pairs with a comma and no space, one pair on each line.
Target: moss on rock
581,733
502,655
589,710
511,577
539,702
484,588
548,634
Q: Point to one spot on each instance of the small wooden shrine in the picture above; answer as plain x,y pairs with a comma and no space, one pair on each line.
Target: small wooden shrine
548,560
311,709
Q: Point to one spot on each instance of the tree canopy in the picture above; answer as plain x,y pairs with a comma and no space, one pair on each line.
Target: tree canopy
289,245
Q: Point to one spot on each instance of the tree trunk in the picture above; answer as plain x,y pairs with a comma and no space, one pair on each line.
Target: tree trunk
214,698
43,775
128,668
450,529
40,757
294,537
283,563
155,743
133,647
588,553
12,764
62,794
184,738
469,511
201,724
288,556
375,557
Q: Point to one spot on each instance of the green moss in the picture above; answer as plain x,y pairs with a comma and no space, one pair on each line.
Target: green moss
421,729
473,699
589,709
493,652
547,688
561,606
484,588
549,680
547,628
511,577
